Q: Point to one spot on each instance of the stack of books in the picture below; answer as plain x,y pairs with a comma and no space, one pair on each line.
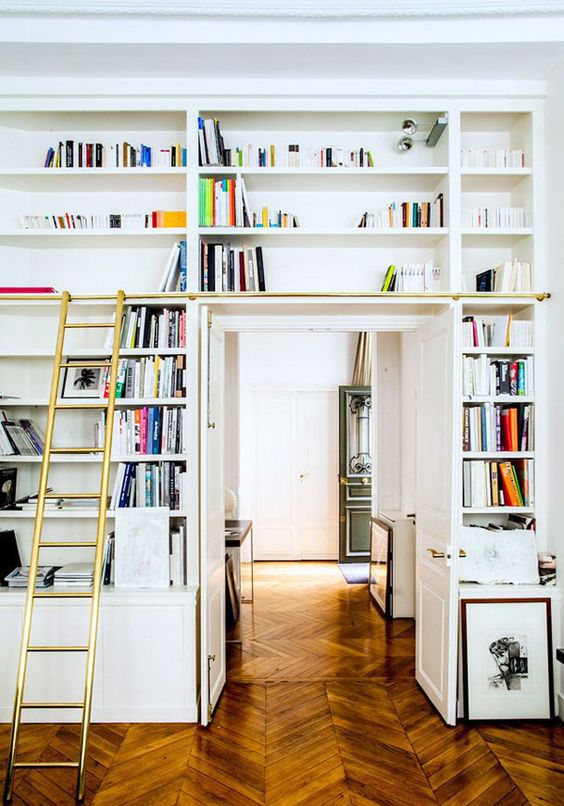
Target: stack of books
224,267
148,484
19,577
491,427
152,327
486,376
509,278
19,437
498,484
75,575
496,331
406,215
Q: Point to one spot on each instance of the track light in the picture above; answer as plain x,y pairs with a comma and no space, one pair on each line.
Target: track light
405,144
409,126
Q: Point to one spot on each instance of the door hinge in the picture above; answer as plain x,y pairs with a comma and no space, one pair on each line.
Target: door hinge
342,519
210,318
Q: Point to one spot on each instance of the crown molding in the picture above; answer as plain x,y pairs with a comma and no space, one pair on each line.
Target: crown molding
285,8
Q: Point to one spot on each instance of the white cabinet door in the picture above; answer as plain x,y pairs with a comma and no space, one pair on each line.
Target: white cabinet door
436,606
295,511
213,671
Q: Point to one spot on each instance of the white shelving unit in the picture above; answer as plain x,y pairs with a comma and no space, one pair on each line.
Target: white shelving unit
328,253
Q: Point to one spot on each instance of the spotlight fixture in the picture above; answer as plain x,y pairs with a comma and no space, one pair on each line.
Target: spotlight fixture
410,126
405,144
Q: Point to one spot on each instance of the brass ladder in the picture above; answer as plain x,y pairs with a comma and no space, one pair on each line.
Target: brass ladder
108,405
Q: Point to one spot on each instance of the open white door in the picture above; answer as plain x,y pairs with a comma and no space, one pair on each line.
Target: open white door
436,583
212,524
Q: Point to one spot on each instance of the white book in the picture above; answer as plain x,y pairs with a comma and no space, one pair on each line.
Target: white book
117,485
171,260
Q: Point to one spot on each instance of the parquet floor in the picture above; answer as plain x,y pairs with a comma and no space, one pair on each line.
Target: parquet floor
320,709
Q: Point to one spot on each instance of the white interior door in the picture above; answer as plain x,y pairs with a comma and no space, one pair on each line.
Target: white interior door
436,607
212,610
295,509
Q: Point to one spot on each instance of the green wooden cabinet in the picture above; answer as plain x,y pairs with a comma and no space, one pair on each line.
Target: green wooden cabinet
355,473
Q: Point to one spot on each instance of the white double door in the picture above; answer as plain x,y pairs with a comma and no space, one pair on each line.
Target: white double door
294,459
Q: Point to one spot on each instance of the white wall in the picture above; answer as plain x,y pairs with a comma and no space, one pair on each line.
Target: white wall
555,315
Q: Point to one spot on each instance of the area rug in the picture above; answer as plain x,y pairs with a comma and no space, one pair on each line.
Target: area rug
354,573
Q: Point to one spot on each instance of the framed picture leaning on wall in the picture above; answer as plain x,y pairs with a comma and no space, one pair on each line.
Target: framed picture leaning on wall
507,658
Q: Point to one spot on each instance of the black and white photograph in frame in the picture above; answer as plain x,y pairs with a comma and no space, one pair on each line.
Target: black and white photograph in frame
507,658
82,382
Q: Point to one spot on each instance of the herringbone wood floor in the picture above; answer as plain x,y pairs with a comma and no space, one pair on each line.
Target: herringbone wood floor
320,709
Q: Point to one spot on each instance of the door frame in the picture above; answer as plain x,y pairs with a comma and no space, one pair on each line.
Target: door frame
237,316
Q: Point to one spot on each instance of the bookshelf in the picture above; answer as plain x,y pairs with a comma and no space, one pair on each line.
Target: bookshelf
328,253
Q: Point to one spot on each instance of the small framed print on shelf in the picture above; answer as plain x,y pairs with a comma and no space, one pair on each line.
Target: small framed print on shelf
507,659
83,382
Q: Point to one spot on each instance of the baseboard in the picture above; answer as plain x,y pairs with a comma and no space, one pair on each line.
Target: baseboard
560,700
184,713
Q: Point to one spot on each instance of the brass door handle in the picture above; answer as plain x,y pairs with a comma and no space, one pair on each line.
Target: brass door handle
365,481
462,553
435,554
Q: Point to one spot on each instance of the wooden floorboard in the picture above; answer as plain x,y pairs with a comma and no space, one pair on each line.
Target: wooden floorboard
321,708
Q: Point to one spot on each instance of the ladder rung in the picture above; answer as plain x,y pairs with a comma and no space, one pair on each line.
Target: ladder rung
101,405
26,765
72,495
52,705
63,595
89,324
77,450
95,363
73,544
57,649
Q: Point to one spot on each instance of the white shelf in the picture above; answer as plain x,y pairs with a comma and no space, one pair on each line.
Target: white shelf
91,352
498,350
95,458
122,401
498,454
492,231
54,172
81,514
92,233
495,171
497,510
297,232
498,399
473,590
222,170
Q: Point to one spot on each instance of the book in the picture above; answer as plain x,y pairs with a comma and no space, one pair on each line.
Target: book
19,577
9,554
488,483
28,289
153,219
494,217
226,267
422,277
8,485
407,215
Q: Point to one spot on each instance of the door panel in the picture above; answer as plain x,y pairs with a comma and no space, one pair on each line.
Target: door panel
318,457
275,472
212,612
436,601
355,473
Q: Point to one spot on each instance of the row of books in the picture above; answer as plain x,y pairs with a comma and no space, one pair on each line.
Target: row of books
494,217
496,331
493,427
498,484
146,430
399,215
508,278
484,376
156,219
19,437
278,219
492,158
151,377
175,272
212,151
76,154
224,267
153,327
223,203
423,277
149,484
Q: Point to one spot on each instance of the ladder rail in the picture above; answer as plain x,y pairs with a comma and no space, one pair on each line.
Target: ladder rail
99,552
35,548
